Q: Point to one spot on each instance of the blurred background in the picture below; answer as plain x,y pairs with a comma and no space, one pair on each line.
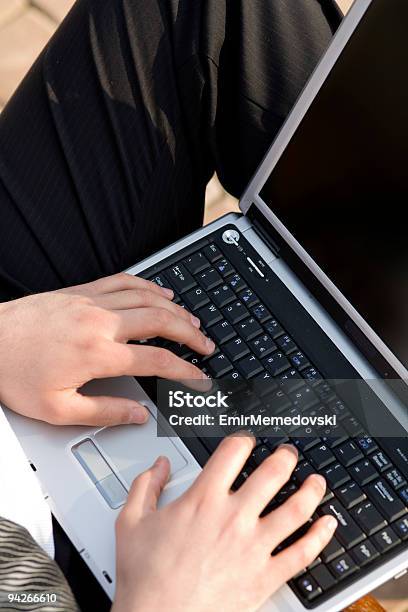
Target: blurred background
25,27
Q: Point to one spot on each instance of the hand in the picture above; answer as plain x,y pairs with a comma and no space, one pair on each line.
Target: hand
210,546
51,344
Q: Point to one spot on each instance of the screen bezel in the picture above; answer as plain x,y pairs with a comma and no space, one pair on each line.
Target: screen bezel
370,344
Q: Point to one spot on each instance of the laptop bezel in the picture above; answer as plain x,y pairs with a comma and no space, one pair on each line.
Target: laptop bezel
251,204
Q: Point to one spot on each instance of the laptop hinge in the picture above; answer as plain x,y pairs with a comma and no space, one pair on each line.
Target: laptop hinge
262,227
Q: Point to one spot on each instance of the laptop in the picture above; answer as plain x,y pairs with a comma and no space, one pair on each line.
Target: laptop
312,279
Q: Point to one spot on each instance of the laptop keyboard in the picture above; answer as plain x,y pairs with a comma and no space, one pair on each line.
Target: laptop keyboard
367,479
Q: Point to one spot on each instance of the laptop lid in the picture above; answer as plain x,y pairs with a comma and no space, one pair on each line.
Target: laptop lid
333,188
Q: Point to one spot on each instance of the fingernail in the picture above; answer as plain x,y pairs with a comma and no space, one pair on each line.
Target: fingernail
168,292
139,415
207,384
159,461
320,480
331,523
290,448
195,321
210,345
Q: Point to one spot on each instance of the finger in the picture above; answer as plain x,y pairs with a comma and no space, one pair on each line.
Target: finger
145,491
143,298
117,282
153,322
224,465
302,553
265,482
101,411
133,360
296,511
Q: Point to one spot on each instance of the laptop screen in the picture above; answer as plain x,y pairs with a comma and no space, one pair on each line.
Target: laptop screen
341,186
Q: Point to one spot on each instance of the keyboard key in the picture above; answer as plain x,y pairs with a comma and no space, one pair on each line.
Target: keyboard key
235,312
212,253
195,359
333,436
302,471
260,454
196,298
209,315
364,553
235,349
368,517
403,493
320,456
224,267
261,313
308,587
348,453
332,550
397,449
350,495
312,375
262,346
274,329
343,566
161,281
275,401
209,279
348,533
338,408
249,366
180,278
219,365
323,577
303,399
335,475
385,499
248,297
363,472
290,381
222,296
236,283
325,392
352,425
249,328
367,444
222,332
237,379
196,263
395,478
299,360
242,477
276,363
385,539
263,384
303,439
286,344
401,528
381,461
181,350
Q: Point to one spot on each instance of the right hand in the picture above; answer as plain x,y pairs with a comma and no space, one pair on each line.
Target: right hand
51,344
210,545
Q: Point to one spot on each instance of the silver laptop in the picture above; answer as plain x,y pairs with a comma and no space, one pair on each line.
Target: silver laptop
314,275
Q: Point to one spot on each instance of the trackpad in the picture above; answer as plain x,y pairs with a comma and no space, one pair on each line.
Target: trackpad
131,449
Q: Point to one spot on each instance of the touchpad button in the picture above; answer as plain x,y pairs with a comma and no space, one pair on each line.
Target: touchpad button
132,449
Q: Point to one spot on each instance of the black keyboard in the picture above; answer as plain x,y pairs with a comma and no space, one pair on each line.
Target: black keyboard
367,479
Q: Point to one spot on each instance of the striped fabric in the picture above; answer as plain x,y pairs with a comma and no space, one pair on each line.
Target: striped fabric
25,569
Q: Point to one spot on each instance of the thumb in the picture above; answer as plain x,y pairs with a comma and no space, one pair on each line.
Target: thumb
104,411
146,489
